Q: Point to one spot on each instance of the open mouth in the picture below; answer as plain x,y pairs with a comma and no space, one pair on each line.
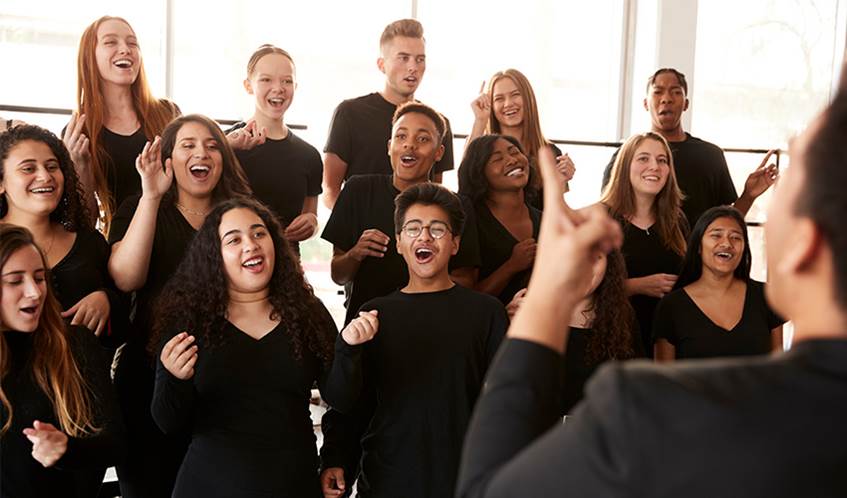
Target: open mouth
424,255
123,63
411,80
254,264
724,256
515,172
276,102
665,113
650,178
408,160
511,113
200,171
42,190
29,310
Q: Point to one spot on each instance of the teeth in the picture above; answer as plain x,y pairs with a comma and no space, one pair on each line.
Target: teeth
652,178
725,255
515,172
42,190
200,167
252,262
407,158
123,63
276,101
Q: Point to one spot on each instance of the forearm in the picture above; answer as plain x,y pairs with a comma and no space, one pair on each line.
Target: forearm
130,257
498,280
477,130
343,267
173,401
343,383
466,277
744,203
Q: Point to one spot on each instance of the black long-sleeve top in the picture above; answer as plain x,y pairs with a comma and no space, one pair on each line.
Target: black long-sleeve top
754,427
247,408
21,476
421,374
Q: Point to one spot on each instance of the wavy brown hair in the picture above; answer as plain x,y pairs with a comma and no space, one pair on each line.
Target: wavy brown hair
614,330
71,212
196,298
52,363
619,195
153,114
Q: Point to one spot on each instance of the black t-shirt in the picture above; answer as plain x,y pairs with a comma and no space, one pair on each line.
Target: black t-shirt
170,241
21,475
645,254
681,322
421,374
359,133
701,173
576,369
367,201
495,247
121,175
536,200
282,173
247,408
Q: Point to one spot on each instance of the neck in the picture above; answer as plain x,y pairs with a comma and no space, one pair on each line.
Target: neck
401,184
515,132
276,127
717,283
118,100
394,97
582,316
505,199
40,226
436,283
644,208
675,135
241,303
198,204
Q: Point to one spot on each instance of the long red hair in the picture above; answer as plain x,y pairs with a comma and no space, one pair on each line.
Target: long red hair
153,114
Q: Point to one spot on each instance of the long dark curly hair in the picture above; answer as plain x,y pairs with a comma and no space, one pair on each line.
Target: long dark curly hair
71,211
472,180
196,297
614,331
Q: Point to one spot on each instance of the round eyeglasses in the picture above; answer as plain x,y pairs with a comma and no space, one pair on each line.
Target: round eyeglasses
414,228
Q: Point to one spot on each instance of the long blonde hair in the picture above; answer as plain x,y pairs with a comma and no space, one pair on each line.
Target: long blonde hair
619,195
153,114
53,365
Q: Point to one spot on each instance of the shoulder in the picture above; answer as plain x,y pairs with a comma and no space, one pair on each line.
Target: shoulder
481,302
674,298
356,103
701,145
385,302
301,145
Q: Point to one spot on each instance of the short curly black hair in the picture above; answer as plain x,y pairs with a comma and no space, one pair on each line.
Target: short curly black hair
71,212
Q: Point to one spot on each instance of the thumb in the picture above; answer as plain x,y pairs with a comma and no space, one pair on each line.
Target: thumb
339,479
374,312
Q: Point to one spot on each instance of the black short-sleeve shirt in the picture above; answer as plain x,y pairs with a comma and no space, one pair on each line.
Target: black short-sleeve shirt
681,322
122,150
282,173
366,202
701,173
359,133
495,247
170,241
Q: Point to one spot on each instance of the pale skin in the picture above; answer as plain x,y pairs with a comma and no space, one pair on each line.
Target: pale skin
49,444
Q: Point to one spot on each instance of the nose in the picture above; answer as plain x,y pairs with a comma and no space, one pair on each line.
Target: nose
425,230
250,245
201,151
31,288
41,173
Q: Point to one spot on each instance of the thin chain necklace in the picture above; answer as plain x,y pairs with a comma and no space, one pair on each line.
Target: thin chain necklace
50,247
191,211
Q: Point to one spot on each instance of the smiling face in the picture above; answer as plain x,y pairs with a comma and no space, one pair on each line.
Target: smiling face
272,82
403,62
507,168
722,246
666,102
650,167
414,147
507,103
117,53
426,256
24,290
197,160
247,250
32,179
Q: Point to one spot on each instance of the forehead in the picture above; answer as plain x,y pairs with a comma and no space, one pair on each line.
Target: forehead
666,80
238,219
504,85
416,121
404,44
426,213
23,259
274,62
114,27
195,130
650,145
31,149
724,223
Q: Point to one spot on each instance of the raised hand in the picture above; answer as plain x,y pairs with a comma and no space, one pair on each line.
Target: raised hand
248,137
179,356
77,143
332,482
481,106
761,179
92,312
565,167
361,329
48,443
301,227
372,243
155,181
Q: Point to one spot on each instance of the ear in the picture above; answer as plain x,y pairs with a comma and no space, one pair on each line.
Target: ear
646,108
457,239
248,86
685,106
802,250
397,243
380,64
388,146
439,153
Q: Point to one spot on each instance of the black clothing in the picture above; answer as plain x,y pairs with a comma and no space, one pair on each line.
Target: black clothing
282,173
122,150
424,370
681,322
495,247
359,133
645,254
576,369
536,198
367,201
84,270
247,408
153,459
701,173
21,476
769,426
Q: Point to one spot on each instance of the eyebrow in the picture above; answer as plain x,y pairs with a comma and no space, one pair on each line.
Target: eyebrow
21,272
237,230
